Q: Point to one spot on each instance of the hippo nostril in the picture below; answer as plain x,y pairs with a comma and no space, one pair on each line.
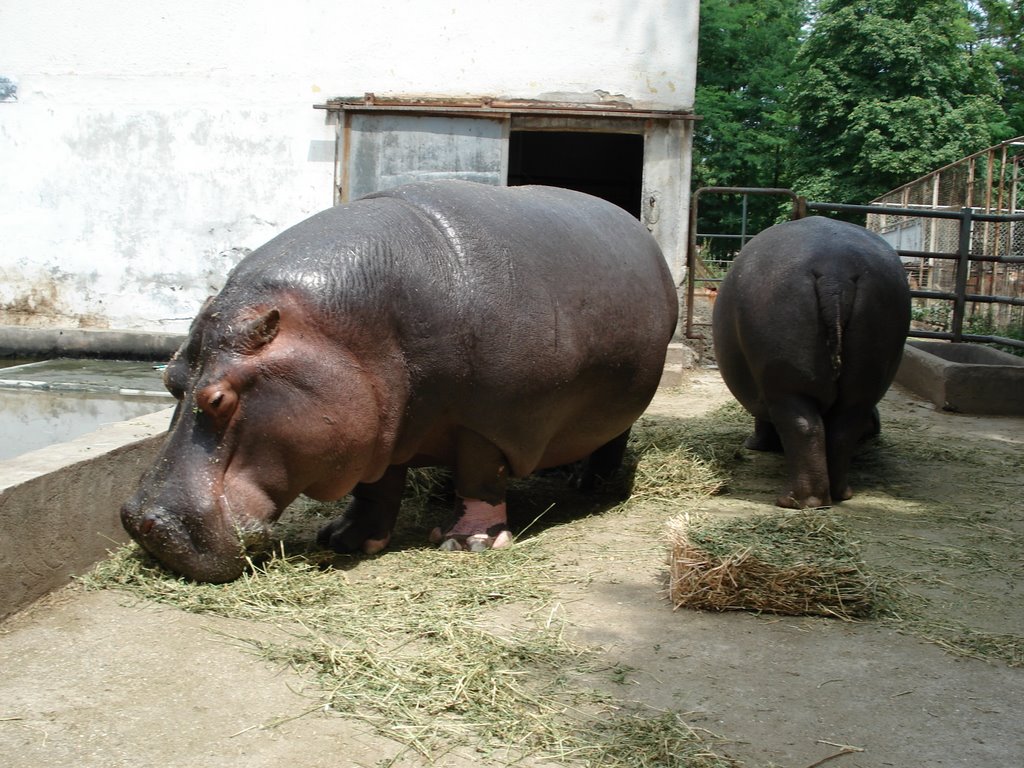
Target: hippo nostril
147,524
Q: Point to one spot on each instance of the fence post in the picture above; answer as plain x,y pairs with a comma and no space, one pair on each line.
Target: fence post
963,266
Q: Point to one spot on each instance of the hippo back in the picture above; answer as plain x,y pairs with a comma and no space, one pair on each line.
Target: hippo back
517,311
549,307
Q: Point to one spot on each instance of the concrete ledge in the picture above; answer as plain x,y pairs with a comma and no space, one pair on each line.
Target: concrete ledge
966,378
678,358
59,506
78,342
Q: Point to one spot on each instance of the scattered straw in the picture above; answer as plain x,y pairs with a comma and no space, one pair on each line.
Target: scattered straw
961,640
791,563
685,459
411,643
669,467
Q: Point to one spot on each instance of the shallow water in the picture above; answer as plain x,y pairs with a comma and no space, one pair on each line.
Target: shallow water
50,402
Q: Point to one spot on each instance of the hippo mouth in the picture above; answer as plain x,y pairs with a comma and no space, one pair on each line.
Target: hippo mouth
201,551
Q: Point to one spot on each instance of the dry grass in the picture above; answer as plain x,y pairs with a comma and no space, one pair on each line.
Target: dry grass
679,460
412,642
440,651
670,465
948,518
413,647
797,563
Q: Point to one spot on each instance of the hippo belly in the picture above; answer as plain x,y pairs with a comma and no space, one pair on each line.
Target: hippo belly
809,327
493,330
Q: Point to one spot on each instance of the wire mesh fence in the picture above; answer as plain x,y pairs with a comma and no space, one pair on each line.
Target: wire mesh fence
959,231
988,184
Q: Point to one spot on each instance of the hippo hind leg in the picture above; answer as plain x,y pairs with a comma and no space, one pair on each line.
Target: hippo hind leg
481,481
802,432
369,520
847,428
765,437
603,463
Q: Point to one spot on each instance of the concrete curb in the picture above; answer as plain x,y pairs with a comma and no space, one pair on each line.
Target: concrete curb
60,506
77,342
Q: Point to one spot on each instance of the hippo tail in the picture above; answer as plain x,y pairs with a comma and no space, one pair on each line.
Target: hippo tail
835,305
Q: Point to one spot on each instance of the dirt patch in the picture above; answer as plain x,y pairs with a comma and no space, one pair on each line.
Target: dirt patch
101,679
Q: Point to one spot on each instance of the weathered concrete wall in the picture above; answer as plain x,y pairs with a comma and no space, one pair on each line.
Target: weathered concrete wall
667,166
59,506
145,147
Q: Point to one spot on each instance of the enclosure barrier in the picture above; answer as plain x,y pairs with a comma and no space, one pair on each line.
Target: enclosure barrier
964,219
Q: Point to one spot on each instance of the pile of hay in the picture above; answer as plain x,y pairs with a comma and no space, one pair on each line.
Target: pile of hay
796,563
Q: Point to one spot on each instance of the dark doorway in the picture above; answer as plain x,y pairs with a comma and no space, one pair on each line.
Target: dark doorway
606,165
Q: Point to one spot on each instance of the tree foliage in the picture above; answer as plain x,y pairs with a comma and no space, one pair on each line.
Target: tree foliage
843,100
1000,28
744,66
889,90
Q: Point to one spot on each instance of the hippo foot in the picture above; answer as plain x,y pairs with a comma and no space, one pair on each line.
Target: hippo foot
477,542
844,495
789,501
759,441
764,438
480,526
353,531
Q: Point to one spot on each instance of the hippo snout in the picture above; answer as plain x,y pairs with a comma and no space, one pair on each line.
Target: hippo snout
211,553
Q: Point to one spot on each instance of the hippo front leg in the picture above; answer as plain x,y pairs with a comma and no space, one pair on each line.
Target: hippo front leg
481,480
368,521
802,432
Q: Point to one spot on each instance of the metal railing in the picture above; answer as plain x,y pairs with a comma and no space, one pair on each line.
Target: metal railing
962,257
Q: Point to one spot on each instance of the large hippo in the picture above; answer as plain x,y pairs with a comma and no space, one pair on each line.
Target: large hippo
492,330
809,327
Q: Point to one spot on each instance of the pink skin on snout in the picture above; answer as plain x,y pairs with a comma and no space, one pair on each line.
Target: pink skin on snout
239,453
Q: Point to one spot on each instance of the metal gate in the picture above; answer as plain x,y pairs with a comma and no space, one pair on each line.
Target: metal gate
956,296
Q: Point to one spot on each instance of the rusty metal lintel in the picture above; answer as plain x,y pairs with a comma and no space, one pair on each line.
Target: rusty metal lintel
498,108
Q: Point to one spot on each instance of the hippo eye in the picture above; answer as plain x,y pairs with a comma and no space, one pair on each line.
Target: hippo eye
218,402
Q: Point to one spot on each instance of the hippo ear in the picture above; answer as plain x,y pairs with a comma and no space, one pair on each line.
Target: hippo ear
176,376
256,332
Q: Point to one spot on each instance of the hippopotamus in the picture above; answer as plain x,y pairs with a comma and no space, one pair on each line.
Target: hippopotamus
493,330
809,328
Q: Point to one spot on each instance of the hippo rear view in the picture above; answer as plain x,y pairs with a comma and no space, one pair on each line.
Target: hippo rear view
809,327
493,330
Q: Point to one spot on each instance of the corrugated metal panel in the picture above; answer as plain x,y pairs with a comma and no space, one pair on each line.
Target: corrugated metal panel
381,151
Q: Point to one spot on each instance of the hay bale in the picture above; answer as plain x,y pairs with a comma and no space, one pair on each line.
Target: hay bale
796,563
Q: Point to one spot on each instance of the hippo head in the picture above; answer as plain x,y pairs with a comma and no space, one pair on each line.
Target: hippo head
266,410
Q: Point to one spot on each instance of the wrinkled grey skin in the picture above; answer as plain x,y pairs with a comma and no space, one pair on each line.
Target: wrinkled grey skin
493,330
809,327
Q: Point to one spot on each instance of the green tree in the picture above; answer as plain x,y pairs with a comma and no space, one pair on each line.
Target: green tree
744,66
1000,27
888,90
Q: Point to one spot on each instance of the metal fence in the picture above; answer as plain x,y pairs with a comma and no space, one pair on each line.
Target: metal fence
988,184
703,271
964,265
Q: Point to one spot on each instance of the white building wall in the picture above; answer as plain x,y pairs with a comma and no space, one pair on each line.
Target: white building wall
144,146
